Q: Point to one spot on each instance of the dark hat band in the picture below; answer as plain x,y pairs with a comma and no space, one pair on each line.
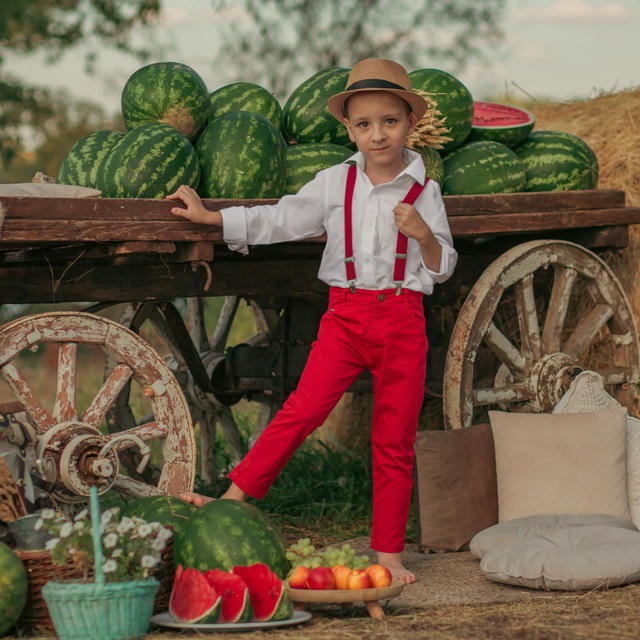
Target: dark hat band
374,83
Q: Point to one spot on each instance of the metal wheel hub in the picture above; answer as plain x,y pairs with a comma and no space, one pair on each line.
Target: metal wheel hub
550,378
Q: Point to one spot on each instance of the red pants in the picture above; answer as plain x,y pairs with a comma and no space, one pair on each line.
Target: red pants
374,330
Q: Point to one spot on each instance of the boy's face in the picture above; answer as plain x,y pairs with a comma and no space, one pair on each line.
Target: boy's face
379,123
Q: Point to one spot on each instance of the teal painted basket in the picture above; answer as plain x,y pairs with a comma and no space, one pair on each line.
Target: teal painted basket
100,610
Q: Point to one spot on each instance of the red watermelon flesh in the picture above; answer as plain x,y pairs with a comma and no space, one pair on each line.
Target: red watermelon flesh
502,123
193,599
268,597
236,603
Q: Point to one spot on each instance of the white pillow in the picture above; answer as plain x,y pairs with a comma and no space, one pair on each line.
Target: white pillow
569,463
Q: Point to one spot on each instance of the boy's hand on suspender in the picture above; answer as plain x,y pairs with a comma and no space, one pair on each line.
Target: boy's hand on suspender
410,222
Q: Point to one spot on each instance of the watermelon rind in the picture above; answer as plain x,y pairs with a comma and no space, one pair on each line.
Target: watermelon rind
168,92
80,166
303,161
502,123
150,161
193,600
269,598
13,588
453,99
166,510
305,115
236,602
246,96
558,161
225,533
241,155
433,163
483,167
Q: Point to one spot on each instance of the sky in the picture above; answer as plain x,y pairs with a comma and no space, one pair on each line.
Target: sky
554,49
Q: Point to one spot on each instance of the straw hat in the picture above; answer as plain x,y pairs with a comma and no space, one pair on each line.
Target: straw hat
377,74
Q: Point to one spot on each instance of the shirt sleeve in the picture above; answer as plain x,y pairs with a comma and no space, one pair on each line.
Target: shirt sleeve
435,215
294,217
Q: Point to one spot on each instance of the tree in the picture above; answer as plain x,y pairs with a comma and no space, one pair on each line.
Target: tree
279,43
53,27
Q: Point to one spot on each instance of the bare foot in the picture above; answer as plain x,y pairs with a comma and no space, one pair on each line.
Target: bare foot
195,499
393,562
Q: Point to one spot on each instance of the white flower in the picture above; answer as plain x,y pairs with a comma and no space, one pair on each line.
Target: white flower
47,514
116,553
79,525
106,517
164,534
110,540
66,529
126,524
148,561
71,551
144,530
50,544
109,566
82,515
39,524
158,544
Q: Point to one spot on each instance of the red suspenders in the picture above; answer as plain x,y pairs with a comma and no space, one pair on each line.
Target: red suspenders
401,244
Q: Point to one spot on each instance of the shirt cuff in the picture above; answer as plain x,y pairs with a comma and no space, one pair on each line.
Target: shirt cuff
448,261
234,228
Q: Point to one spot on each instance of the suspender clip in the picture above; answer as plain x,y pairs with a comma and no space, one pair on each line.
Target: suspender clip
349,259
398,286
401,256
352,286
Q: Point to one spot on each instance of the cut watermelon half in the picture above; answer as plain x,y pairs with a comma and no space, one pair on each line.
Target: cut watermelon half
193,599
236,603
502,123
268,597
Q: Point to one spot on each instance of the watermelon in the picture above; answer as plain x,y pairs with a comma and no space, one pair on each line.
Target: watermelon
241,155
80,165
501,122
13,588
236,603
303,161
167,92
305,116
269,599
483,167
166,510
245,96
150,161
453,99
557,161
433,164
193,599
224,533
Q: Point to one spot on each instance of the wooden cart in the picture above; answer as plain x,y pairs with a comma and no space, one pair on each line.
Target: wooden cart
533,301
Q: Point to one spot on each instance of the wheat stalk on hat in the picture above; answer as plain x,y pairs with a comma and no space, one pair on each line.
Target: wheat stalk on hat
12,504
430,130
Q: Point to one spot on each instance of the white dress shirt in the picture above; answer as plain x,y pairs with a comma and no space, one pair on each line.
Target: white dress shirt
318,208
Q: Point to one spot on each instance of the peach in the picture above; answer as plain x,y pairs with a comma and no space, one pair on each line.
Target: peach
320,578
298,579
379,574
341,573
359,579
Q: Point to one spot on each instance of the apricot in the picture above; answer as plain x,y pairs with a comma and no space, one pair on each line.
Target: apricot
341,573
379,574
359,579
298,579
320,578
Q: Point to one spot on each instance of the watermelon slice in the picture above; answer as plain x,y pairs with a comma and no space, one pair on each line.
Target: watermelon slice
502,123
268,597
193,599
236,604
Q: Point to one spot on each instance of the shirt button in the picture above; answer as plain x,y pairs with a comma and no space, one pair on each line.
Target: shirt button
381,297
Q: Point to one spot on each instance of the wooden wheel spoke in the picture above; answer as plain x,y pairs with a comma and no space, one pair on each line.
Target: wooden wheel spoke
528,318
497,395
504,349
38,415
231,431
65,409
563,281
147,431
135,488
587,329
107,395
225,319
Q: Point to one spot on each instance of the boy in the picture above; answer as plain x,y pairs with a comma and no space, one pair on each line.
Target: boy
375,316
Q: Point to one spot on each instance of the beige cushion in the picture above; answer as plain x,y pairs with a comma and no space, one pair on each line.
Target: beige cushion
571,559
46,190
564,463
538,526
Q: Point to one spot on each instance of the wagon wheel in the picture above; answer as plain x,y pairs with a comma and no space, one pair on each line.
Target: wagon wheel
73,451
539,314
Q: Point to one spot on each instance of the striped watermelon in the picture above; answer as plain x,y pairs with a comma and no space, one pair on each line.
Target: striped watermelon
80,165
453,99
225,533
558,161
167,92
501,122
166,510
241,155
483,167
305,160
246,96
433,164
13,588
150,161
305,116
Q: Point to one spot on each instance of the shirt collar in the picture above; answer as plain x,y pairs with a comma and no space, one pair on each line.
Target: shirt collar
415,166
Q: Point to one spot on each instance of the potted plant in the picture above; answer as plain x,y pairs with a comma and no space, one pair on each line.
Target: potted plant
124,553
